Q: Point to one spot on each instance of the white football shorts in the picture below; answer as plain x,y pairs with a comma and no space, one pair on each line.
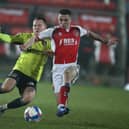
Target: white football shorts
58,74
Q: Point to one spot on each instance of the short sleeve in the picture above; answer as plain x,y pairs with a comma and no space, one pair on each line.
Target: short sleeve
46,33
83,31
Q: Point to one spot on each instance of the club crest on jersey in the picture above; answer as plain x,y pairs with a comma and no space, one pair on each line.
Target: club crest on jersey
60,34
76,33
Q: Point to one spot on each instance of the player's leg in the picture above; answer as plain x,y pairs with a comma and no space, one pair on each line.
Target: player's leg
64,89
57,78
7,85
69,74
28,95
62,96
27,90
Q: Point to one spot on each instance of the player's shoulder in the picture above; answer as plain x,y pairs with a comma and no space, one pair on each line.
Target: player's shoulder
56,27
50,29
77,27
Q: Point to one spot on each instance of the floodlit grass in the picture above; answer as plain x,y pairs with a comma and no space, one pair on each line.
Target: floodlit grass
91,108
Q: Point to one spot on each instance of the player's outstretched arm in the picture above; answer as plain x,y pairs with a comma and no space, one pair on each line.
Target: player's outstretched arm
5,38
11,39
96,36
48,52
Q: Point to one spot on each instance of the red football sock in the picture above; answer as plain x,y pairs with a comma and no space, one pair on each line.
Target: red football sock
63,96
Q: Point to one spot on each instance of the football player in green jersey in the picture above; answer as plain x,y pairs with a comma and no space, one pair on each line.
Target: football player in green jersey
28,68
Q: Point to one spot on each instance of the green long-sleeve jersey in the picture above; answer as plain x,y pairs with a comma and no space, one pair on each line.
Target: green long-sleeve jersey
29,63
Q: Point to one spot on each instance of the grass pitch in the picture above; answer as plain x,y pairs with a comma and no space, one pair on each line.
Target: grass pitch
91,108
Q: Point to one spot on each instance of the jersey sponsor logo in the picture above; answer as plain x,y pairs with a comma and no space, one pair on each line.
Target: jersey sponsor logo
68,41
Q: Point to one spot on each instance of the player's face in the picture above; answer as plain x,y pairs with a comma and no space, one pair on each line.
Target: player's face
38,26
64,21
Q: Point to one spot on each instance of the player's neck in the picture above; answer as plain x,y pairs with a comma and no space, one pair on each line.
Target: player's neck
67,28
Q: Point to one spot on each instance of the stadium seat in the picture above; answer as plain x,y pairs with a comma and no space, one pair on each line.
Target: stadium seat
14,16
15,30
98,23
93,4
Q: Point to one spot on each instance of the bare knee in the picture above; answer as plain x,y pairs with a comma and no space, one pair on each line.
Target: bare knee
8,84
28,94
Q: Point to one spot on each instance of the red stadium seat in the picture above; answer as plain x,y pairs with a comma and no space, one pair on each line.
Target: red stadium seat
51,17
92,4
14,16
15,30
98,23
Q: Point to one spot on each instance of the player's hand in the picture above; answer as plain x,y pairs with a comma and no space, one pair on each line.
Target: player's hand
28,44
22,47
112,41
48,52
36,37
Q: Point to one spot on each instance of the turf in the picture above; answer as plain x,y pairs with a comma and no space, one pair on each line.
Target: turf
91,108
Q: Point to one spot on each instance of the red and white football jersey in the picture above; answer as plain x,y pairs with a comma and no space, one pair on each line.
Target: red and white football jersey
65,43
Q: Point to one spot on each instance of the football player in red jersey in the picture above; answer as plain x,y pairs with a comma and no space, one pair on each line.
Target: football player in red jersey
65,43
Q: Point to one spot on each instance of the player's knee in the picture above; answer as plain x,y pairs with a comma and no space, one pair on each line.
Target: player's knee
5,89
27,99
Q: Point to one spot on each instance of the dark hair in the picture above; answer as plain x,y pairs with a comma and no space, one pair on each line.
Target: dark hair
65,12
39,17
